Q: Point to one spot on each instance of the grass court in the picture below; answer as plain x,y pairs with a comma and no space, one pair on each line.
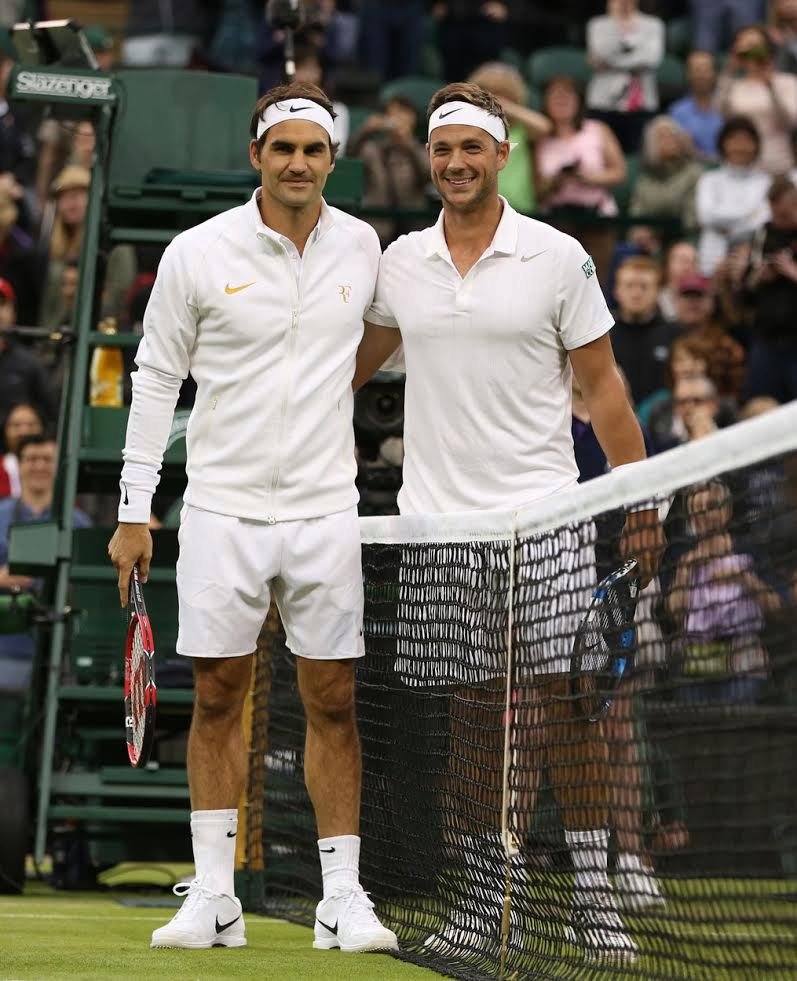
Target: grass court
48,936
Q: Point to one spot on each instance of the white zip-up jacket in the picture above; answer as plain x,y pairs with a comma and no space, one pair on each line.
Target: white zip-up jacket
270,339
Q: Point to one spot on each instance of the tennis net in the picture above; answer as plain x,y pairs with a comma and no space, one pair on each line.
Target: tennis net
505,832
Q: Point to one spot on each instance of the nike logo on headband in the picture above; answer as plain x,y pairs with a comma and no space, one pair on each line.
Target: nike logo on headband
450,113
298,108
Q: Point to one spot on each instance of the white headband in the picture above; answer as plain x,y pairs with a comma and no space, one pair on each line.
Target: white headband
278,112
464,114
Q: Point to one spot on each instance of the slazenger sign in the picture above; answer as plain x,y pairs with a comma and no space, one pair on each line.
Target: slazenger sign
68,86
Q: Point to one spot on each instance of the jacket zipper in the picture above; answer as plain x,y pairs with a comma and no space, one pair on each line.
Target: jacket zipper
271,518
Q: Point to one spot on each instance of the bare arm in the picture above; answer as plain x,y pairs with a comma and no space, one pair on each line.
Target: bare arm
785,104
677,599
546,185
614,169
724,90
767,599
603,389
621,439
376,346
535,123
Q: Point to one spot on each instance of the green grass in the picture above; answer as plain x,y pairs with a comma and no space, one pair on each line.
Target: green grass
49,936
712,930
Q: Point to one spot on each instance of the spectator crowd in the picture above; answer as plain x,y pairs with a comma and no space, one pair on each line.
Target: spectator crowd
659,133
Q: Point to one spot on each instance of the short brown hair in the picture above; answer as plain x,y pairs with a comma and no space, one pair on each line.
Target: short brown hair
568,82
475,95
779,188
293,90
641,263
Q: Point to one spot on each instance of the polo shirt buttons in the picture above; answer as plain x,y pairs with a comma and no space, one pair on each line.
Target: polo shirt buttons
462,298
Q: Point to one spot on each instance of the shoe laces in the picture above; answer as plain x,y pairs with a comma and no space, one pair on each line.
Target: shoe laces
358,901
197,895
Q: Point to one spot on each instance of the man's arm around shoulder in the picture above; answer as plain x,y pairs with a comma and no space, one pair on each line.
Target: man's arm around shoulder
376,346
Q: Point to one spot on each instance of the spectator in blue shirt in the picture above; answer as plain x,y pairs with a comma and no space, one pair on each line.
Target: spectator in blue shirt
696,112
37,464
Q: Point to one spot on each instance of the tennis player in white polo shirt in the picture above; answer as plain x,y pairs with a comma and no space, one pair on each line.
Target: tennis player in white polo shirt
495,311
264,306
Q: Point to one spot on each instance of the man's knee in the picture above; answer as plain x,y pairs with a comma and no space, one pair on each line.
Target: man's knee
220,687
327,690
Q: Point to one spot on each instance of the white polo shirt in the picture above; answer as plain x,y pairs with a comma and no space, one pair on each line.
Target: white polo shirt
487,415
270,338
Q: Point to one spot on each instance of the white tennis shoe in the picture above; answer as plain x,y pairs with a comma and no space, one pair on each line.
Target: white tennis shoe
597,928
463,934
467,932
638,891
347,920
206,919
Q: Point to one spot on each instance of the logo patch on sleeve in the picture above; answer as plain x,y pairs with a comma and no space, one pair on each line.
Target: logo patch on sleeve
588,268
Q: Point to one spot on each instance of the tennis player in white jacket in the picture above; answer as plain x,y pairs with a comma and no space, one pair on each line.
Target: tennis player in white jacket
264,306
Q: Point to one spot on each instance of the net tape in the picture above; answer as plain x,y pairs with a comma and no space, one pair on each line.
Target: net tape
652,480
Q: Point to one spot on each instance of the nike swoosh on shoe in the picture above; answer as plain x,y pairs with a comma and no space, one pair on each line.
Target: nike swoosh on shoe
221,927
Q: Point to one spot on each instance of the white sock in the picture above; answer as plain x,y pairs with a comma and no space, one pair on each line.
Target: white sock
590,852
340,863
629,862
213,838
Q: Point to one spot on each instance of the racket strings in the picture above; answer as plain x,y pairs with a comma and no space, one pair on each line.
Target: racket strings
138,678
602,630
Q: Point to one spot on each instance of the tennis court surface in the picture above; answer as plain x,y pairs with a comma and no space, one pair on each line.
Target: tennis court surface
49,936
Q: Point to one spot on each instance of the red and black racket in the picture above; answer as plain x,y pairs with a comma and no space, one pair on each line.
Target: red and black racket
140,691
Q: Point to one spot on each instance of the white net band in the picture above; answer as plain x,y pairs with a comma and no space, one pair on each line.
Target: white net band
653,480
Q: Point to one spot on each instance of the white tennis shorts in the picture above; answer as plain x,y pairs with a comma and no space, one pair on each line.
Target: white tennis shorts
453,604
228,568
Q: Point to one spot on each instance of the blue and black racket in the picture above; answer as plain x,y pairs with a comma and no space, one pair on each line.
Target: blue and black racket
603,649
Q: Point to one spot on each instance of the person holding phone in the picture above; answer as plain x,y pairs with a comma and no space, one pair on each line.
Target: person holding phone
577,165
750,86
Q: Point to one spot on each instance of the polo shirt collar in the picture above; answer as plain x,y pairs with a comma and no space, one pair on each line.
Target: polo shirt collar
325,220
504,241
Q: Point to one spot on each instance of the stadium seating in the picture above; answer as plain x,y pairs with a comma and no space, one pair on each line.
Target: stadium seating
547,63
679,36
196,139
418,89
671,76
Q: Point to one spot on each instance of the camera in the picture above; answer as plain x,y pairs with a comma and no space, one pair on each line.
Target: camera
378,426
379,406
285,15
757,54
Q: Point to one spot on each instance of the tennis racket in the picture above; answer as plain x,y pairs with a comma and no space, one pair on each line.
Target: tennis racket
140,691
604,645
